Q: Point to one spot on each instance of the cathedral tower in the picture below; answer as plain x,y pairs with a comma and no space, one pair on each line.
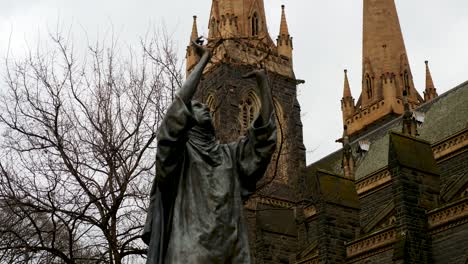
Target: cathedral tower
386,72
240,41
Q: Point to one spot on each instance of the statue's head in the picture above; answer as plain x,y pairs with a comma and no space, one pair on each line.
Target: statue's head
202,115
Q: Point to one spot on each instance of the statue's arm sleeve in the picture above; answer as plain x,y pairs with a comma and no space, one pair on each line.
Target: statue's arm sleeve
171,139
254,152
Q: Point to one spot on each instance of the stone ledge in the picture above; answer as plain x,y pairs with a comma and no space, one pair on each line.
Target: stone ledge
451,214
371,242
451,144
373,181
252,203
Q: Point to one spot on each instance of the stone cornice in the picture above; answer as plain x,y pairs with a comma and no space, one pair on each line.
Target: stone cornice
252,203
370,254
373,181
371,242
448,216
451,144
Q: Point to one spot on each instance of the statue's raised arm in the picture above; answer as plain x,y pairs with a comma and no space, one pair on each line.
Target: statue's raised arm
190,85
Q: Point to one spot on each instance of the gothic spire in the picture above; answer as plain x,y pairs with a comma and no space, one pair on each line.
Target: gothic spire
284,40
284,24
194,34
191,56
347,102
346,89
384,51
430,92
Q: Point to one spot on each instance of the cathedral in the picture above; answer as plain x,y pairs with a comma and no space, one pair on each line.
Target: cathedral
397,190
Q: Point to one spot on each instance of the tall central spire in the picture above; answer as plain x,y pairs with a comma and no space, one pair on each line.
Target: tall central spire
384,54
386,72
383,43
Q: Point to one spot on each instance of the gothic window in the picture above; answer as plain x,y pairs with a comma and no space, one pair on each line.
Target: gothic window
369,86
254,24
406,79
248,109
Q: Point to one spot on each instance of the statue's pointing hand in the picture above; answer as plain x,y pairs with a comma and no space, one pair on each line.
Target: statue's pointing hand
199,48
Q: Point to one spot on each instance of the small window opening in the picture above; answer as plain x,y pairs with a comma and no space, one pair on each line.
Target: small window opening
254,23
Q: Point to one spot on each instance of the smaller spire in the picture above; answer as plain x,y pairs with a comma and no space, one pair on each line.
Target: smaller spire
284,41
347,89
347,102
191,56
194,35
284,31
430,92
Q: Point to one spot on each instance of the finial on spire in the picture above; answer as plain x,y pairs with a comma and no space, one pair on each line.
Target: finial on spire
430,91
347,89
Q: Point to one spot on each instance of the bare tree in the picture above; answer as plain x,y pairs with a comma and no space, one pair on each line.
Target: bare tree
77,150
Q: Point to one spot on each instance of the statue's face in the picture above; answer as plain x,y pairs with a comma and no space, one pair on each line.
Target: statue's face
202,114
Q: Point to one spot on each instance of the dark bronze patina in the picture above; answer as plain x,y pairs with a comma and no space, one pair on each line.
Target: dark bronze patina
195,214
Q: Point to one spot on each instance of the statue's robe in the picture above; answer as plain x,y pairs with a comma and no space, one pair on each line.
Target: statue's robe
195,214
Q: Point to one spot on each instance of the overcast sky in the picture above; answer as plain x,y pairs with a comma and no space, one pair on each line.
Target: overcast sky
327,39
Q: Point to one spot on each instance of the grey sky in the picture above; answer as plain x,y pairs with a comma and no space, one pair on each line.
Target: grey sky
327,39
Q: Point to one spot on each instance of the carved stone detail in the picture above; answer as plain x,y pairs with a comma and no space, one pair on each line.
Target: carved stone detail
373,181
374,241
450,145
252,203
449,214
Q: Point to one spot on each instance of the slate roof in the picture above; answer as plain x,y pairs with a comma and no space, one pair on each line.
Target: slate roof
444,116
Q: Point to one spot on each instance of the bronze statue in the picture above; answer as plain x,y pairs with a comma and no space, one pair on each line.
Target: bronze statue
195,214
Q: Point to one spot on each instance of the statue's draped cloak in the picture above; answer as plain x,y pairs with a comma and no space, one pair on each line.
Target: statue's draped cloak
195,213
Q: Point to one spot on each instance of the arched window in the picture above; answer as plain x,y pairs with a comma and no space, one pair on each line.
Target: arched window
406,79
249,107
254,24
369,87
